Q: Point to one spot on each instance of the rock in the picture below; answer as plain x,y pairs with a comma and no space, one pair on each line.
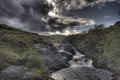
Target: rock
67,47
45,41
12,73
83,73
66,50
56,60
18,73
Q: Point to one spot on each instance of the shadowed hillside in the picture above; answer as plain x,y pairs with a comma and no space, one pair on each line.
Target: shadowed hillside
103,45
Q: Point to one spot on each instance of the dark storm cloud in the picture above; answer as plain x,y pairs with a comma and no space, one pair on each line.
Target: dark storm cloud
119,13
17,7
28,15
32,15
11,7
25,14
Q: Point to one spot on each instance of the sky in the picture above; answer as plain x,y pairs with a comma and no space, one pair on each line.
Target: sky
106,14
35,15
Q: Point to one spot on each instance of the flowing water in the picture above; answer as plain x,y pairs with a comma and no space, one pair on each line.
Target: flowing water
79,60
81,68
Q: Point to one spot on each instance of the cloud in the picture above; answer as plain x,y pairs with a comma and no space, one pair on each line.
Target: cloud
60,6
12,22
107,17
119,13
62,16
66,32
61,21
34,15
31,15
11,6
24,14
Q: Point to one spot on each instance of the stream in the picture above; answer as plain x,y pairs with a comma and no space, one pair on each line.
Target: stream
81,68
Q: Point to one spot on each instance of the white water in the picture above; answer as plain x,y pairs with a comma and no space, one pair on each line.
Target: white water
79,60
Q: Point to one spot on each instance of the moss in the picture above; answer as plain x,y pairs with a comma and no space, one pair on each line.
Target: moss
34,60
112,47
3,64
17,48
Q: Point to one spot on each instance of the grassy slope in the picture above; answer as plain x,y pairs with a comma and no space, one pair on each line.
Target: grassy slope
112,47
103,45
17,48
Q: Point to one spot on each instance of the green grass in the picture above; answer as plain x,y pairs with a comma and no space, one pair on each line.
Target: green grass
112,47
17,48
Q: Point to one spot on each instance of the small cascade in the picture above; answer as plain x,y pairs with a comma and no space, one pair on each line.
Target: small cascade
79,60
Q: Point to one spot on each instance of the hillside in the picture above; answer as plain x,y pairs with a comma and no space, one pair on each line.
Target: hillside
17,48
102,45
30,56
24,54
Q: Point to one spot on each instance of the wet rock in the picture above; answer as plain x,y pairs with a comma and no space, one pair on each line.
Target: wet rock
83,73
12,73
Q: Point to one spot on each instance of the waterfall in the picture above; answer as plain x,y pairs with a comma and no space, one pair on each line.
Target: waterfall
80,66
79,60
